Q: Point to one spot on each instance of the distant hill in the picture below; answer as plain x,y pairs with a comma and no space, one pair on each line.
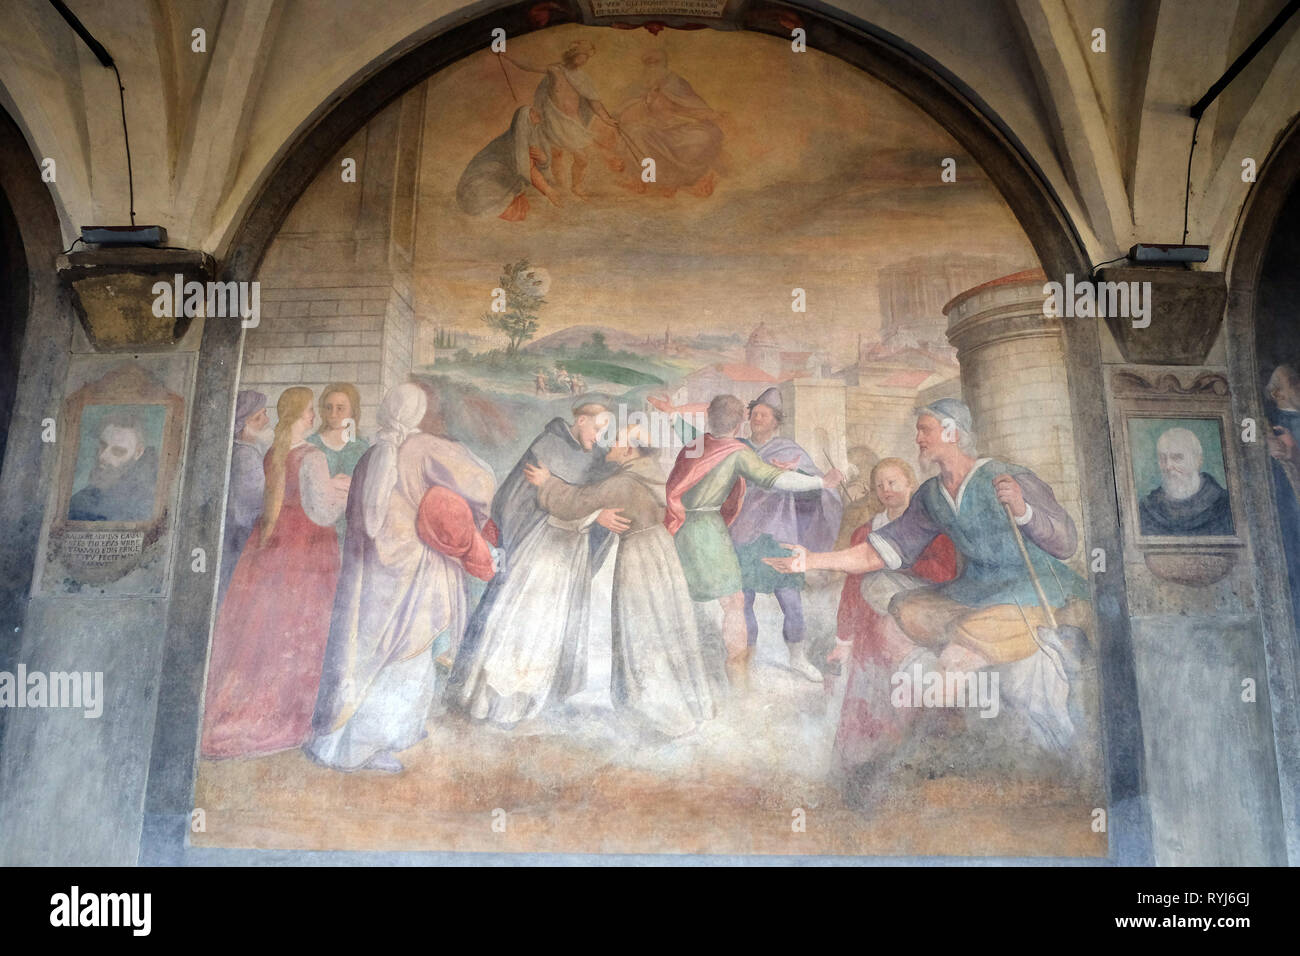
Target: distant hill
576,336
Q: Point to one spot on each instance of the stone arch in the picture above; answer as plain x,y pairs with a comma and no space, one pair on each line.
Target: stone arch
937,93
35,314
37,332
1278,182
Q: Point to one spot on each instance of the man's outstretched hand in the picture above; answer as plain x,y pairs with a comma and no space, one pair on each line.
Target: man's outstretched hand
797,563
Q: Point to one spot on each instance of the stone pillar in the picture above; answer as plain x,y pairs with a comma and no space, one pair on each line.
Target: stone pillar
880,419
349,327
1012,360
814,417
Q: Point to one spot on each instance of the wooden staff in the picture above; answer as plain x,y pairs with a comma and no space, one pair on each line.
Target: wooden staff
1033,577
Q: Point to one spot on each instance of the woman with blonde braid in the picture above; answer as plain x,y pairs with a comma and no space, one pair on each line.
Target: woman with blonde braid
269,642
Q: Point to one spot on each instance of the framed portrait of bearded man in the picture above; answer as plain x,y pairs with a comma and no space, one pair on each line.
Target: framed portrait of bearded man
1176,454
120,439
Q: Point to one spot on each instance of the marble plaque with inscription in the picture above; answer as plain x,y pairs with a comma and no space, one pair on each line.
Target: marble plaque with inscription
658,8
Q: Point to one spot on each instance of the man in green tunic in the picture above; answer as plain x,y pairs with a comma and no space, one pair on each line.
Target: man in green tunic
704,496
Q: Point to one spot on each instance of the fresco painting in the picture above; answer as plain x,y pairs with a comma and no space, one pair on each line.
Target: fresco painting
677,532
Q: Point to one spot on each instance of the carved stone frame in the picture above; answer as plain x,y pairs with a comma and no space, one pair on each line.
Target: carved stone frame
125,384
1139,392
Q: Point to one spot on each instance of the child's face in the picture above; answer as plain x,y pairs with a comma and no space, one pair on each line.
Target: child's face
892,488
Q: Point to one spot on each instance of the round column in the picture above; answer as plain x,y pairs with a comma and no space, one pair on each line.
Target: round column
1013,377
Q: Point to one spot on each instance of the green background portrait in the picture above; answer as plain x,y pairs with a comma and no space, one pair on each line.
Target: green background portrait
151,419
1145,432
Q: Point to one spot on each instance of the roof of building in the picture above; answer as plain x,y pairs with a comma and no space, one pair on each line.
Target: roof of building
739,372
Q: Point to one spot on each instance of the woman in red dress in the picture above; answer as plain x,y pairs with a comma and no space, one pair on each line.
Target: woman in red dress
269,643
869,637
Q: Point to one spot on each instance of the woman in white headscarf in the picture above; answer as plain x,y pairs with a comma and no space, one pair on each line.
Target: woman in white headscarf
398,600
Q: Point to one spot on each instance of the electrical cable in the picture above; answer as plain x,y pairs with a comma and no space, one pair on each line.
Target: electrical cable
126,138
1106,263
1187,193
1243,60
102,55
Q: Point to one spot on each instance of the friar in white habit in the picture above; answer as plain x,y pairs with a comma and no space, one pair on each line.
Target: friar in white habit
397,596
526,644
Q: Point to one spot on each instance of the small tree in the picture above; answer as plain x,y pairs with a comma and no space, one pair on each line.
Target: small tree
519,320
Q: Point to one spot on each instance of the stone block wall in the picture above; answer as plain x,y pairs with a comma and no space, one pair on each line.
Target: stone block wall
880,418
397,357
317,331
814,417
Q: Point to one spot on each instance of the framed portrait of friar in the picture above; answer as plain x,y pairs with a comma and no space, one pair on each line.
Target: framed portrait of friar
120,437
1177,469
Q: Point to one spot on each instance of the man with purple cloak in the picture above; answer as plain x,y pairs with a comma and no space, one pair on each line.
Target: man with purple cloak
399,603
768,517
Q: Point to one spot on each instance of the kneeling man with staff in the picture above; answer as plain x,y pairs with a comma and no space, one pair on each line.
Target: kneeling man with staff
1003,608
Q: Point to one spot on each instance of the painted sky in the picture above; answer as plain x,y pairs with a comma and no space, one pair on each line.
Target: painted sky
830,176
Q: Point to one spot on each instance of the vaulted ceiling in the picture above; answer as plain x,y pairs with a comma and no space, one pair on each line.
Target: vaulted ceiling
1109,130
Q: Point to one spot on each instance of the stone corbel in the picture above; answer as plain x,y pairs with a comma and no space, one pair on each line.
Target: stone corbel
112,292
1186,312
